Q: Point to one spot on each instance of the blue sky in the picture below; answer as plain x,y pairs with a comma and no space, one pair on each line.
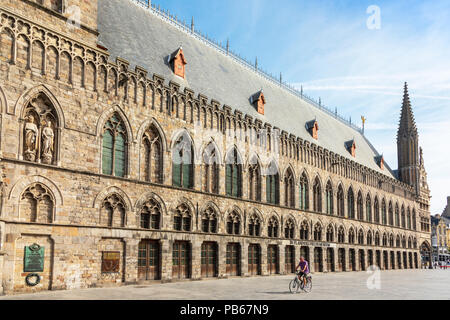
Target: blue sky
327,47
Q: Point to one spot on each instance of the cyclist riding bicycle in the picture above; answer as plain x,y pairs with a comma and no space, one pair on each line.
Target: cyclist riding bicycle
304,269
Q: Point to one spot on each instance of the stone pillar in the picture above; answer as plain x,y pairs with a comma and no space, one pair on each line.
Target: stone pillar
196,263
131,260
222,259
244,258
311,259
281,260
166,260
264,271
335,257
347,259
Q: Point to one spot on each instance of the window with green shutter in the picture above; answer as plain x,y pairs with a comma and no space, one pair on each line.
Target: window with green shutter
114,150
183,164
228,179
107,153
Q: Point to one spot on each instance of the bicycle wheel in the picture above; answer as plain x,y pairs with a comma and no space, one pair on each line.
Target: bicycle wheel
294,286
308,286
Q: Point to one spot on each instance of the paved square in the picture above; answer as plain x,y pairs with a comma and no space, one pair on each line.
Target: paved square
395,285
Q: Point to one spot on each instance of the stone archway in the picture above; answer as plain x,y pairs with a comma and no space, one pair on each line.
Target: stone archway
425,253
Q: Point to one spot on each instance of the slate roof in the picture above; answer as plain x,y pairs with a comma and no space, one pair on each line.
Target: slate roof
144,38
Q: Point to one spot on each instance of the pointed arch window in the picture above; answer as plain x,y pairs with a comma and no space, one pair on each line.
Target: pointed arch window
289,229
113,211
114,154
360,207
351,204
376,210
318,232
397,242
254,226
413,220
304,192
329,195
340,202
361,237
377,239
391,240
368,209
289,189
183,218
254,177
209,220
37,204
383,212
369,238
272,228
233,174
341,235
211,170
385,241
397,216
152,155
403,217
183,163
317,196
234,223
304,231
391,214
151,215
351,236
273,184
330,233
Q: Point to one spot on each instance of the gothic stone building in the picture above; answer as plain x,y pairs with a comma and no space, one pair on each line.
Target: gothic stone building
181,162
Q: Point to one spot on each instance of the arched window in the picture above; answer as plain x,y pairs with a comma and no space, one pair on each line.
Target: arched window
304,191
377,239
391,240
317,232
329,192
408,219
209,220
409,243
351,204
289,189
383,212
273,184
37,204
376,209
254,225
233,174
391,214
351,236
403,217
304,231
254,177
368,209
403,242
152,151
397,215
183,218
341,235
210,170
114,154
340,202
40,131
234,223
183,163
413,219
317,196
289,229
397,242
385,241
369,237
360,206
272,228
330,233
360,237
113,211
151,215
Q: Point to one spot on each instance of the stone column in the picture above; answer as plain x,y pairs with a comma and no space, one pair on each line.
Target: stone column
281,259
244,258
264,271
335,257
222,259
347,259
196,263
131,260
311,259
166,260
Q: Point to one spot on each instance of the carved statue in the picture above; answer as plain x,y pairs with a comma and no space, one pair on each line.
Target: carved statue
48,138
31,133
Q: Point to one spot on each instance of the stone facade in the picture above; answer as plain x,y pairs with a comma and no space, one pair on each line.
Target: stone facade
55,192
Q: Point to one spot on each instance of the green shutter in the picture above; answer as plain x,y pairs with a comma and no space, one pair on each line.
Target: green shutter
120,156
268,189
107,153
176,169
187,169
276,189
228,179
235,181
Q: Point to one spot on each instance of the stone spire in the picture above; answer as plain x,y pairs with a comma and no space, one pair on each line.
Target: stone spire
408,144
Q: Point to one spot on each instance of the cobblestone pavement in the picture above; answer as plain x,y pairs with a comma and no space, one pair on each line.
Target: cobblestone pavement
397,285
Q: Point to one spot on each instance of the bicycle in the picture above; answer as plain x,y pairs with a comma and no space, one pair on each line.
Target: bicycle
297,284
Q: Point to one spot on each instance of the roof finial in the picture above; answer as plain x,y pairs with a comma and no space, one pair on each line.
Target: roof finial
281,77
228,46
192,24
256,63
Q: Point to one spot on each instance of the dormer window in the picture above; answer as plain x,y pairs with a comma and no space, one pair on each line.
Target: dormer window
380,162
258,101
178,62
313,128
351,147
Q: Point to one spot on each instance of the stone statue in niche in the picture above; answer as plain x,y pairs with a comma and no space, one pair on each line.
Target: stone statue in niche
31,134
48,138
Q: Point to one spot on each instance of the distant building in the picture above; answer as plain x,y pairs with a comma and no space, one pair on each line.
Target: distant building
440,230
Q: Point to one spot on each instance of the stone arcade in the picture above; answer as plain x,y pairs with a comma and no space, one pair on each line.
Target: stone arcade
192,164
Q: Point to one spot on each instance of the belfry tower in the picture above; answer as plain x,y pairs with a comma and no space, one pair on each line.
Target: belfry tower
408,145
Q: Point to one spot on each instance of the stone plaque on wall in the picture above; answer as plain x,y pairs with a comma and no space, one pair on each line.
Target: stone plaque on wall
110,261
33,260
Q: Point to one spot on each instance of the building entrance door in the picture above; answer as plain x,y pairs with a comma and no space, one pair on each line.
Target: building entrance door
148,260
181,257
209,260
272,259
330,260
254,260
289,253
233,259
